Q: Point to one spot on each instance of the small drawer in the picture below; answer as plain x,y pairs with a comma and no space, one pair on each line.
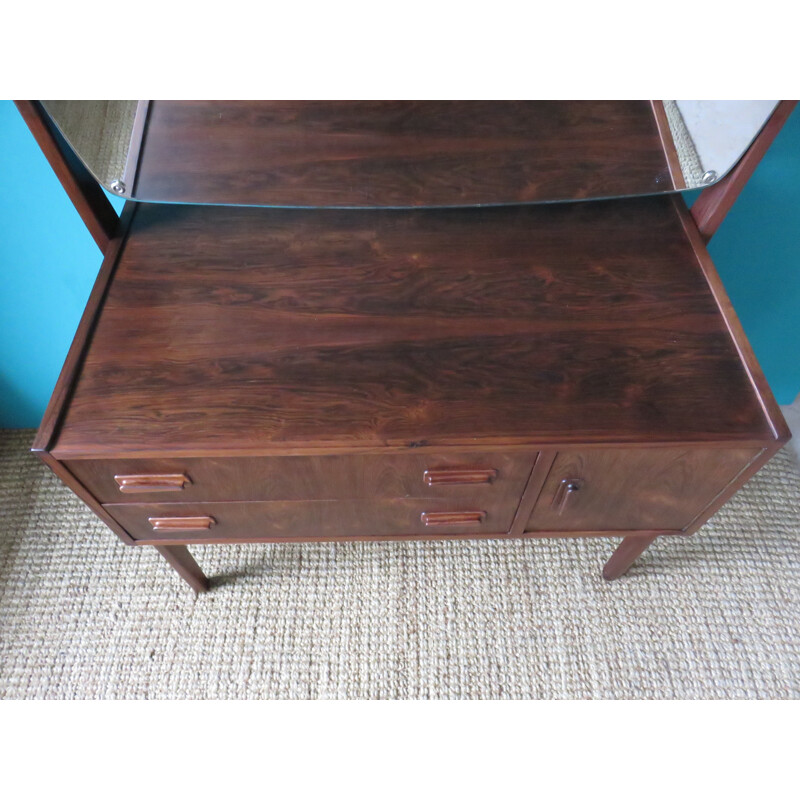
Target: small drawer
478,476
320,519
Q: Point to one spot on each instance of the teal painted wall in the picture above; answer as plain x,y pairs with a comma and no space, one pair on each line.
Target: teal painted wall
757,254
49,263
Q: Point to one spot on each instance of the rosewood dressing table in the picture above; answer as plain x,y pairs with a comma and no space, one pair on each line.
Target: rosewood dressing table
366,321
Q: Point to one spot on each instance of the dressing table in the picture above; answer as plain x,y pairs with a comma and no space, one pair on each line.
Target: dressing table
381,320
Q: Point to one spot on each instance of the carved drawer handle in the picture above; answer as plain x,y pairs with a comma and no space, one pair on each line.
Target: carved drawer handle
568,488
453,517
152,483
454,476
181,524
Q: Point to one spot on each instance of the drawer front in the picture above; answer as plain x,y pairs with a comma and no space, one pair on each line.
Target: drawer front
487,477
634,489
325,519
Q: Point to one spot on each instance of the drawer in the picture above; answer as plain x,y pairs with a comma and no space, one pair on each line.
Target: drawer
324,519
634,488
498,477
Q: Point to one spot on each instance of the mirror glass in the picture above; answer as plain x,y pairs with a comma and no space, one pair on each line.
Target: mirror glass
401,154
710,136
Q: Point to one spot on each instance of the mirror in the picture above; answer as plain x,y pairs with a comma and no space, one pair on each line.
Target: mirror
100,132
400,154
710,136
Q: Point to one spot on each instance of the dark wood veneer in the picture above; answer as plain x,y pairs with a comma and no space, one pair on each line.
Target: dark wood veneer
771,410
399,153
278,375
620,489
274,331
326,519
668,143
248,536
58,403
312,477
404,348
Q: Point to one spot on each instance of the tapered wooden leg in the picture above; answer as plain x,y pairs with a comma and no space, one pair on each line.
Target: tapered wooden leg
183,563
630,548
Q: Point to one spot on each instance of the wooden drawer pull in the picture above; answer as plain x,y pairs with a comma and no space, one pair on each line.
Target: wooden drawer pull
151,483
454,476
568,488
181,524
453,517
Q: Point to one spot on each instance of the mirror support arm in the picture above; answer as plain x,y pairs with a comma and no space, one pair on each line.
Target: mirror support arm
713,204
86,195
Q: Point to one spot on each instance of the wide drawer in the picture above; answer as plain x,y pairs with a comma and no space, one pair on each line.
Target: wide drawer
486,477
324,519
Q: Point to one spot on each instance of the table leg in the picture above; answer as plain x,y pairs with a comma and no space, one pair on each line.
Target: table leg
183,563
628,551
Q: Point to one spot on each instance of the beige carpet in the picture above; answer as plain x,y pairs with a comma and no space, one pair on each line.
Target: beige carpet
84,616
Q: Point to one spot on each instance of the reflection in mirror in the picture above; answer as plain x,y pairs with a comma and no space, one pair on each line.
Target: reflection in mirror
405,153
710,136
100,132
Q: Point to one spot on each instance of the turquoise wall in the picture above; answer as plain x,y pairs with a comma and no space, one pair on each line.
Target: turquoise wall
49,263
757,254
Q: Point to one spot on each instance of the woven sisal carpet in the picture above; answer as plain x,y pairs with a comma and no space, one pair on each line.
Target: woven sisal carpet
84,616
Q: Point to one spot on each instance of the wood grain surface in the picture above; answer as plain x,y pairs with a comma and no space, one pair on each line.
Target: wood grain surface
264,331
314,477
399,153
622,489
256,374
327,519
57,405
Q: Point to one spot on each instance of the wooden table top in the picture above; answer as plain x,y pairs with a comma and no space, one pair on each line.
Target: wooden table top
255,330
